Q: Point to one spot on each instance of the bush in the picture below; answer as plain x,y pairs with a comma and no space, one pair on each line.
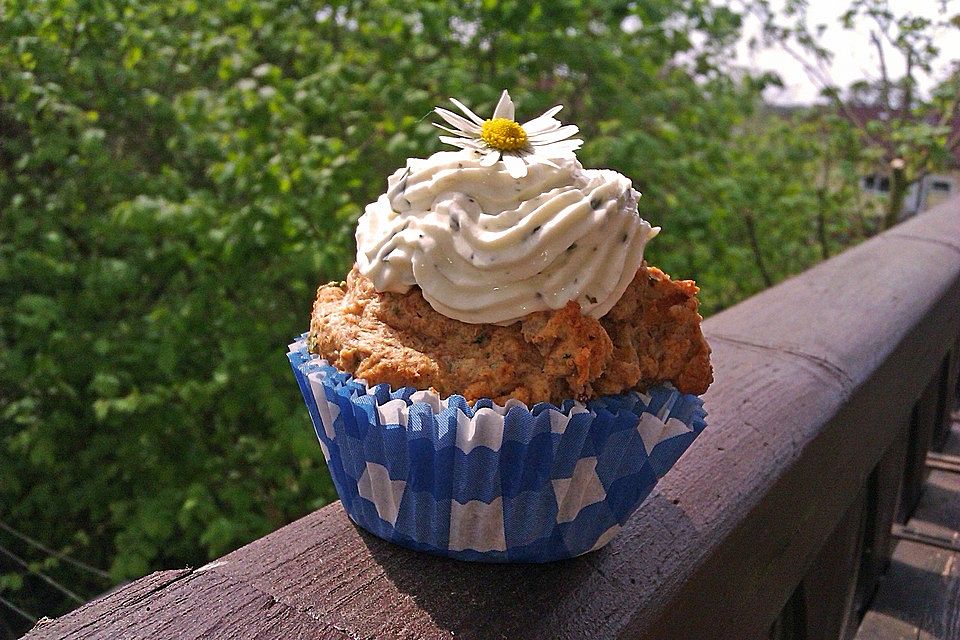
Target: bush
177,177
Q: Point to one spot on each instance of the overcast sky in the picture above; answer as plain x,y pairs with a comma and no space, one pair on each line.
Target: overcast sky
855,58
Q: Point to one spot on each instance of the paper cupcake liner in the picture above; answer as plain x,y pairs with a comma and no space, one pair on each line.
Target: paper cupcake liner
492,483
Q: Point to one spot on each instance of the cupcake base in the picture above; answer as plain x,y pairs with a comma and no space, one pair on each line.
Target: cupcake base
492,483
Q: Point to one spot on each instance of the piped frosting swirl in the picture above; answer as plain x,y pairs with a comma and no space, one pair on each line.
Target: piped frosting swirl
485,247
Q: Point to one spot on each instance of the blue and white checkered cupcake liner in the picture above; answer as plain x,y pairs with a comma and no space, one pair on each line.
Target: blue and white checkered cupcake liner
492,483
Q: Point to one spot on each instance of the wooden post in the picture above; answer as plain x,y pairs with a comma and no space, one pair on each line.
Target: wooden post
923,426
949,393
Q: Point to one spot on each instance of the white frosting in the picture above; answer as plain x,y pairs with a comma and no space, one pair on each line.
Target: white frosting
488,248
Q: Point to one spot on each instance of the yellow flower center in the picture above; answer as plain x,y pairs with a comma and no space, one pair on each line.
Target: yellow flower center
503,134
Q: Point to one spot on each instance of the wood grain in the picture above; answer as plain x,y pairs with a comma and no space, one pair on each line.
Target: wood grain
923,428
815,379
919,597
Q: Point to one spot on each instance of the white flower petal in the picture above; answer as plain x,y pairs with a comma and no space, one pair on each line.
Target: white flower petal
534,158
459,122
504,107
456,132
570,145
554,136
470,114
516,167
557,149
490,158
541,126
544,122
463,143
548,114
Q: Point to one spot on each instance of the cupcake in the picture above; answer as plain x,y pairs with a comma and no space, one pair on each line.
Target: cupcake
501,377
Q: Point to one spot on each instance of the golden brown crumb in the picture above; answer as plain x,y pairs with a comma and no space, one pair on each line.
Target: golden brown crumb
651,335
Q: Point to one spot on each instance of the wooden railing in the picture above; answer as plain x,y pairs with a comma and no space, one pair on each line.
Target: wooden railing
830,388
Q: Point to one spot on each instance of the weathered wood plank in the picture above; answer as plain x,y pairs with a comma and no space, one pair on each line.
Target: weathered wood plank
884,490
187,604
297,568
923,427
809,497
119,600
938,512
815,378
943,461
950,391
920,595
952,445
458,598
918,599
830,587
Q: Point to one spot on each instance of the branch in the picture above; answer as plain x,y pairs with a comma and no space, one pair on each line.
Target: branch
953,139
884,77
908,84
817,74
755,247
820,77
72,47
949,115
954,143
822,206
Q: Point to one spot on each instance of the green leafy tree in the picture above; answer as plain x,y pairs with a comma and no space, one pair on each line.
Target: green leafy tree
177,177
911,135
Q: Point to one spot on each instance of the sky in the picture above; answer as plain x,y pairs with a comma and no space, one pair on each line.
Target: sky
855,57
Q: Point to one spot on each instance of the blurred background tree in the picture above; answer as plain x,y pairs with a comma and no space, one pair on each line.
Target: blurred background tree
177,177
904,134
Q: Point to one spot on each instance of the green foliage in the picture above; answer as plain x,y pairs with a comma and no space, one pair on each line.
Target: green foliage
177,177
912,137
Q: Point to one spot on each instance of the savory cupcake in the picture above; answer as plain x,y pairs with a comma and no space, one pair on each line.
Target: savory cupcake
501,377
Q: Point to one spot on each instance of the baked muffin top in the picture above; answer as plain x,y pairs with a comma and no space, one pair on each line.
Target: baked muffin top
651,335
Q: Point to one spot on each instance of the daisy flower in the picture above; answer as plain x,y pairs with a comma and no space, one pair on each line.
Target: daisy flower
503,138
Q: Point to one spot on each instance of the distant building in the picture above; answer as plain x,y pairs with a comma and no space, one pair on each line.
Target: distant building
930,190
